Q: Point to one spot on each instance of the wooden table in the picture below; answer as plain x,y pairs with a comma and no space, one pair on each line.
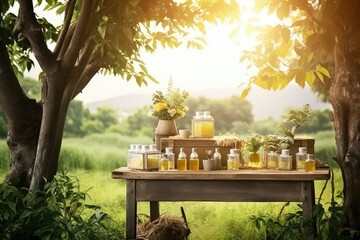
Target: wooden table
245,185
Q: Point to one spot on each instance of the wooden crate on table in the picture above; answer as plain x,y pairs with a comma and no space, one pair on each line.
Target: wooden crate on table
201,145
309,143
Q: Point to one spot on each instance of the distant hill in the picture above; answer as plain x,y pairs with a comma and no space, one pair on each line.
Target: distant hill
265,103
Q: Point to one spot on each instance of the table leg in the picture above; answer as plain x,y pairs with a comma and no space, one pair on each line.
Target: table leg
154,210
308,204
131,209
308,198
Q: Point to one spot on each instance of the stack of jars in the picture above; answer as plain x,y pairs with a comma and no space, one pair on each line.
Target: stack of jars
143,157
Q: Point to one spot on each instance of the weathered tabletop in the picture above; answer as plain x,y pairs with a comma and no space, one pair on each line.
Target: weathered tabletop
244,185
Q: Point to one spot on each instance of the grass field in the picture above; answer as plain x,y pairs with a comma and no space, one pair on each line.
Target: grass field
92,159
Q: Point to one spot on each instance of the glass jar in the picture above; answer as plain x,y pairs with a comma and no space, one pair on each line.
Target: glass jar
231,161
285,160
171,159
310,164
254,160
301,157
194,160
202,125
163,163
217,158
181,161
272,160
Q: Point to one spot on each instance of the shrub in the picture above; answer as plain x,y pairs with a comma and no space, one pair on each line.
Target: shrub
325,224
58,212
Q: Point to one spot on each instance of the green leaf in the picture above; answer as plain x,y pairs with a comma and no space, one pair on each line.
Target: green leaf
320,76
201,27
300,78
323,71
310,77
245,92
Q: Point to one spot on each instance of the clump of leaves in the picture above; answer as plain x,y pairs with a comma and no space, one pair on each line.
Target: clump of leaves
297,118
272,143
254,142
327,224
57,212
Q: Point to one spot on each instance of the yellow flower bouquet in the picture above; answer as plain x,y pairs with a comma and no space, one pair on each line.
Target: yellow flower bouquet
170,105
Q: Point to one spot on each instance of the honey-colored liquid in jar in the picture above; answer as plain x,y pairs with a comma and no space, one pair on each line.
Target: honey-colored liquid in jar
181,164
207,130
164,165
194,164
310,163
231,165
254,160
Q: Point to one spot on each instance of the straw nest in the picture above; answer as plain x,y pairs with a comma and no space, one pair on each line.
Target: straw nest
229,140
164,228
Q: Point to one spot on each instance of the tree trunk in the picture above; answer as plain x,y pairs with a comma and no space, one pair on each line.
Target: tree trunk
344,96
23,116
55,106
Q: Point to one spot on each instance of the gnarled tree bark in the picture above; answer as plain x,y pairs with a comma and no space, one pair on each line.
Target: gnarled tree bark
344,96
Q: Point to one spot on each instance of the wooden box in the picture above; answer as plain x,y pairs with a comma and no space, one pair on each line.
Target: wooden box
309,143
201,145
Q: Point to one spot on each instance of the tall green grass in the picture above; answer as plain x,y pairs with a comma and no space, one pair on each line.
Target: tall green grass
98,152
325,147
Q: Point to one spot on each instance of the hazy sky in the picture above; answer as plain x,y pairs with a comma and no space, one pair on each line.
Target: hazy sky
216,66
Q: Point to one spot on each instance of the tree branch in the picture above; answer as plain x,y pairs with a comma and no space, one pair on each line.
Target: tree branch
81,33
65,44
88,73
67,21
30,30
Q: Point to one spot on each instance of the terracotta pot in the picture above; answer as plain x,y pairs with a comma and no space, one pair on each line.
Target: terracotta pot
164,129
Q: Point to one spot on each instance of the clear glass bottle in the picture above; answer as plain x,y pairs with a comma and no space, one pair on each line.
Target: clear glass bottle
231,161
182,161
301,158
163,163
285,160
235,151
309,164
217,158
196,128
194,160
171,158
272,160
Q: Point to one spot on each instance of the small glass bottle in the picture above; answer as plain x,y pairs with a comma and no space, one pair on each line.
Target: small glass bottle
217,158
194,160
171,158
310,163
181,161
285,160
272,160
301,158
235,151
163,163
231,161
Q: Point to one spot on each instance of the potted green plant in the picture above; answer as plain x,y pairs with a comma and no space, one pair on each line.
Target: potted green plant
253,144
